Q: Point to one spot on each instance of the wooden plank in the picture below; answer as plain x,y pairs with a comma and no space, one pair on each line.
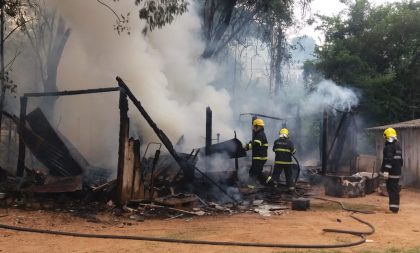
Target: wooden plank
71,92
127,181
137,186
123,142
22,124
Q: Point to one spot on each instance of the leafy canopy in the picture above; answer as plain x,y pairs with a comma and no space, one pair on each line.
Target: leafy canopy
377,51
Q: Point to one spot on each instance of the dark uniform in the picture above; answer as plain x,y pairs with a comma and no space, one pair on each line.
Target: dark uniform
259,146
283,148
392,163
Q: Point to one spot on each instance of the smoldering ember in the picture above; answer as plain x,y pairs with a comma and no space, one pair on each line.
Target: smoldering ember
211,126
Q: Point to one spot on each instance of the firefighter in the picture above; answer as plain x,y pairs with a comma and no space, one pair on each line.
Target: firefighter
259,146
391,168
284,149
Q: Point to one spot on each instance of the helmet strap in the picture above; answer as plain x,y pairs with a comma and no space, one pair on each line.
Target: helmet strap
391,139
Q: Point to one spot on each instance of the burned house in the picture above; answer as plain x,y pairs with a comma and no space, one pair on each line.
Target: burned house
409,137
137,177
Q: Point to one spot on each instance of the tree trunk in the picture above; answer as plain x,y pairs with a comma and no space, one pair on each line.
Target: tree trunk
226,14
279,54
52,62
3,84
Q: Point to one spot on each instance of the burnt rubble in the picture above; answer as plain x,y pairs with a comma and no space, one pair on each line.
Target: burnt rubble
167,185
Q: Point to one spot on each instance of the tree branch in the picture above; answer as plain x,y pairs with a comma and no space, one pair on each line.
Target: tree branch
17,27
112,10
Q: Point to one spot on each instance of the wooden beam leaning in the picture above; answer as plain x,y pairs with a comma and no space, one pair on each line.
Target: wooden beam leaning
71,92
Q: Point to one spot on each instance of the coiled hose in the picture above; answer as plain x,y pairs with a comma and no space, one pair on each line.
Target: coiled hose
361,235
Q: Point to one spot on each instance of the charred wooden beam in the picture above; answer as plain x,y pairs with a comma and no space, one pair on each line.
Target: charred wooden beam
209,119
137,186
21,156
185,165
256,115
236,164
123,139
71,92
324,143
337,132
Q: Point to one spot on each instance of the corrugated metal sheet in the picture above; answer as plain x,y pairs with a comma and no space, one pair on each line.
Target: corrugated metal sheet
406,124
48,148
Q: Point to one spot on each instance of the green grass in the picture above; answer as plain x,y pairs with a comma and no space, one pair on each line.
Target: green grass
329,206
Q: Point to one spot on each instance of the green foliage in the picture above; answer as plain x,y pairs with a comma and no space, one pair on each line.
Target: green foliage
376,50
158,13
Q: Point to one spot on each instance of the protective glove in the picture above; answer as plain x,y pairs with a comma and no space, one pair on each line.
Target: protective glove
246,146
385,175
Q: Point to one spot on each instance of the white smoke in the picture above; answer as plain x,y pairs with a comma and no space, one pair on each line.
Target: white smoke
163,70
328,94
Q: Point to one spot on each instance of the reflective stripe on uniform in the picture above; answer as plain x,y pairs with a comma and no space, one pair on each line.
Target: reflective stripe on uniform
249,146
282,150
281,162
388,166
395,206
265,145
394,176
398,152
260,158
397,157
258,141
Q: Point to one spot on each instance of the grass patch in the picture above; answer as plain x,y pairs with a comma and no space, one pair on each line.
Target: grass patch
329,206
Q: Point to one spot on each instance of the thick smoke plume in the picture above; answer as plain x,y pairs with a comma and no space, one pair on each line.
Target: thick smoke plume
166,73
162,69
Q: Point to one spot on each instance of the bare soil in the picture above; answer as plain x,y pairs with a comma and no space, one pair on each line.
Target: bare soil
394,232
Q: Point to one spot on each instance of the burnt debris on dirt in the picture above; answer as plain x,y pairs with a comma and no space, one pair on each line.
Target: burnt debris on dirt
166,185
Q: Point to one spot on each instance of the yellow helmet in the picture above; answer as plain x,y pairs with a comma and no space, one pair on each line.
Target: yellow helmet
284,132
258,122
389,133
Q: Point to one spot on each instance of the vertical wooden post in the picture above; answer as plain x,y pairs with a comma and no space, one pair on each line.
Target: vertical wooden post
123,139
209,122
22,124
137,186
324,143
236,165
9,140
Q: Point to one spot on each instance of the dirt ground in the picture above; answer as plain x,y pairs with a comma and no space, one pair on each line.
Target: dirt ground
394,233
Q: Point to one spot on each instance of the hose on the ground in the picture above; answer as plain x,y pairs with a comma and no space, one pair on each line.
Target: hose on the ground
372,228
246,244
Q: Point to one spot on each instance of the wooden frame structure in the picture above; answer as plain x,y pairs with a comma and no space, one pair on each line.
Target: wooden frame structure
128,169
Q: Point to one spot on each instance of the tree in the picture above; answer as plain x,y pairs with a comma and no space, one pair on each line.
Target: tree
13,13
267,21
48,35
376,50
225,21
159,13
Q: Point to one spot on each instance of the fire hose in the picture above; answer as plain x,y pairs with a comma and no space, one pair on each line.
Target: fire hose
361,235
298,167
